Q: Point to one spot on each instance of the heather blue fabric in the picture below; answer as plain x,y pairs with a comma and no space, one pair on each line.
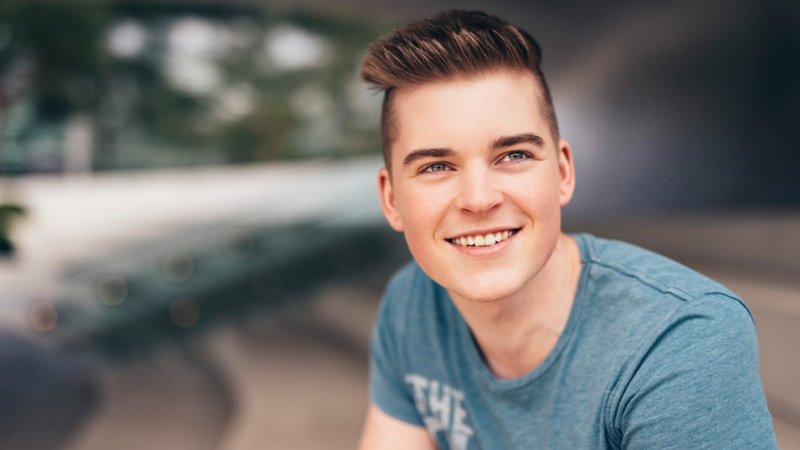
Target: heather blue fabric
653,356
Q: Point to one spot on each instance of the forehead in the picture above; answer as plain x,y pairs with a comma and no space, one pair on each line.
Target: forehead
466,114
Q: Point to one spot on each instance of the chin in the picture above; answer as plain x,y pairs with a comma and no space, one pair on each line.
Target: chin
488,292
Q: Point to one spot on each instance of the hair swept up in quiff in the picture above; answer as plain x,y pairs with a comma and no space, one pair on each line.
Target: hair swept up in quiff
450,45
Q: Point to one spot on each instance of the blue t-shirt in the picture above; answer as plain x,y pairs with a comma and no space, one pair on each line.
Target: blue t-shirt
653,356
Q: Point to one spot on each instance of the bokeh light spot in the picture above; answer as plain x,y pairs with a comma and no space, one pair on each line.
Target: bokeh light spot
266,284
43,316
126,39
291,48
112,290
235,102
184,312
178,266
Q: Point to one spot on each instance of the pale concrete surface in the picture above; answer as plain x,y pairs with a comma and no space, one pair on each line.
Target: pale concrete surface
294,379
129,220
292,391
300,379
788,436
167,402
758,243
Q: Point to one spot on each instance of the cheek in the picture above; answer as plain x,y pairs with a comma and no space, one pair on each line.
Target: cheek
548,220
422,212
538,195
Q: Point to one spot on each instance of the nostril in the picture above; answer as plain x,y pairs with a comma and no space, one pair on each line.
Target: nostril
480,205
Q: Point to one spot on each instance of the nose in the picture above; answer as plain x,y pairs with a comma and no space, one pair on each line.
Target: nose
479,194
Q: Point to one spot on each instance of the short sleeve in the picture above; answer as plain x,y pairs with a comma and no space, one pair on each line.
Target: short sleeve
696,384
387,387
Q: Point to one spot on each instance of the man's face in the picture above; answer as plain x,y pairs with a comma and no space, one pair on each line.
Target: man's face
473,160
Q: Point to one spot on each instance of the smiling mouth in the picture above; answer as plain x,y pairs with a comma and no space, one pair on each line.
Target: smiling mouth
483,240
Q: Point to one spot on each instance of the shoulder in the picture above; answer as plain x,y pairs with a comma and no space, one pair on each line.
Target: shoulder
636,265
695,374
686,347
641,300
666,316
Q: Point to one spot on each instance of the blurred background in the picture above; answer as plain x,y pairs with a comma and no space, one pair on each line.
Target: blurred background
192,245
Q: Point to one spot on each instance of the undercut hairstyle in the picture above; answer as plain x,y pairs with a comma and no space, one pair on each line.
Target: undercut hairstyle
451,45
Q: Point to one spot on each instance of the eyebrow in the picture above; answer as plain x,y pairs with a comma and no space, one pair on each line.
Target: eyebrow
428,152
524,138
501,142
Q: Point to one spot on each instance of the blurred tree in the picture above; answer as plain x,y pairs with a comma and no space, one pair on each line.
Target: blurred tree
54,58
161,79
8,212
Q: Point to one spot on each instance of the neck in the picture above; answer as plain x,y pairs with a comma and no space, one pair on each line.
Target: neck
517,333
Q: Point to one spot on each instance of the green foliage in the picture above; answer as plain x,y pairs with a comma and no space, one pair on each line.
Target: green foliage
63,42
58,58
8,212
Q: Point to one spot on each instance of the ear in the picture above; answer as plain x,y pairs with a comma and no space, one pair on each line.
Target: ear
387,200
566,169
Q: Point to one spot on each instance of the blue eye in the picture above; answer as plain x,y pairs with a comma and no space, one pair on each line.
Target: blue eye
437,167
515,156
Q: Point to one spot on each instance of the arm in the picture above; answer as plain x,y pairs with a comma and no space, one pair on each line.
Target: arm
393,420
384,432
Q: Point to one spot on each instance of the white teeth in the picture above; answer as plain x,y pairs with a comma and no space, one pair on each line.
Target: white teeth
481,240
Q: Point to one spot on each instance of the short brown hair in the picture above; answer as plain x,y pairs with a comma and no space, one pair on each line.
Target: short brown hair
450,45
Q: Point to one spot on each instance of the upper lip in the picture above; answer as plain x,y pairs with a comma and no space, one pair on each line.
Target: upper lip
484,231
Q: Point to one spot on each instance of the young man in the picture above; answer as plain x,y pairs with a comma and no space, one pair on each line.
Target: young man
506,333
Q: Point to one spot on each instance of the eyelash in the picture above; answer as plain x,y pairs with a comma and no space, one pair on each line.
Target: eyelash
525,155
427,169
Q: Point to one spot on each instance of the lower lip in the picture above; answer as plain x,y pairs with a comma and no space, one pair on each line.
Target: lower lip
490,250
